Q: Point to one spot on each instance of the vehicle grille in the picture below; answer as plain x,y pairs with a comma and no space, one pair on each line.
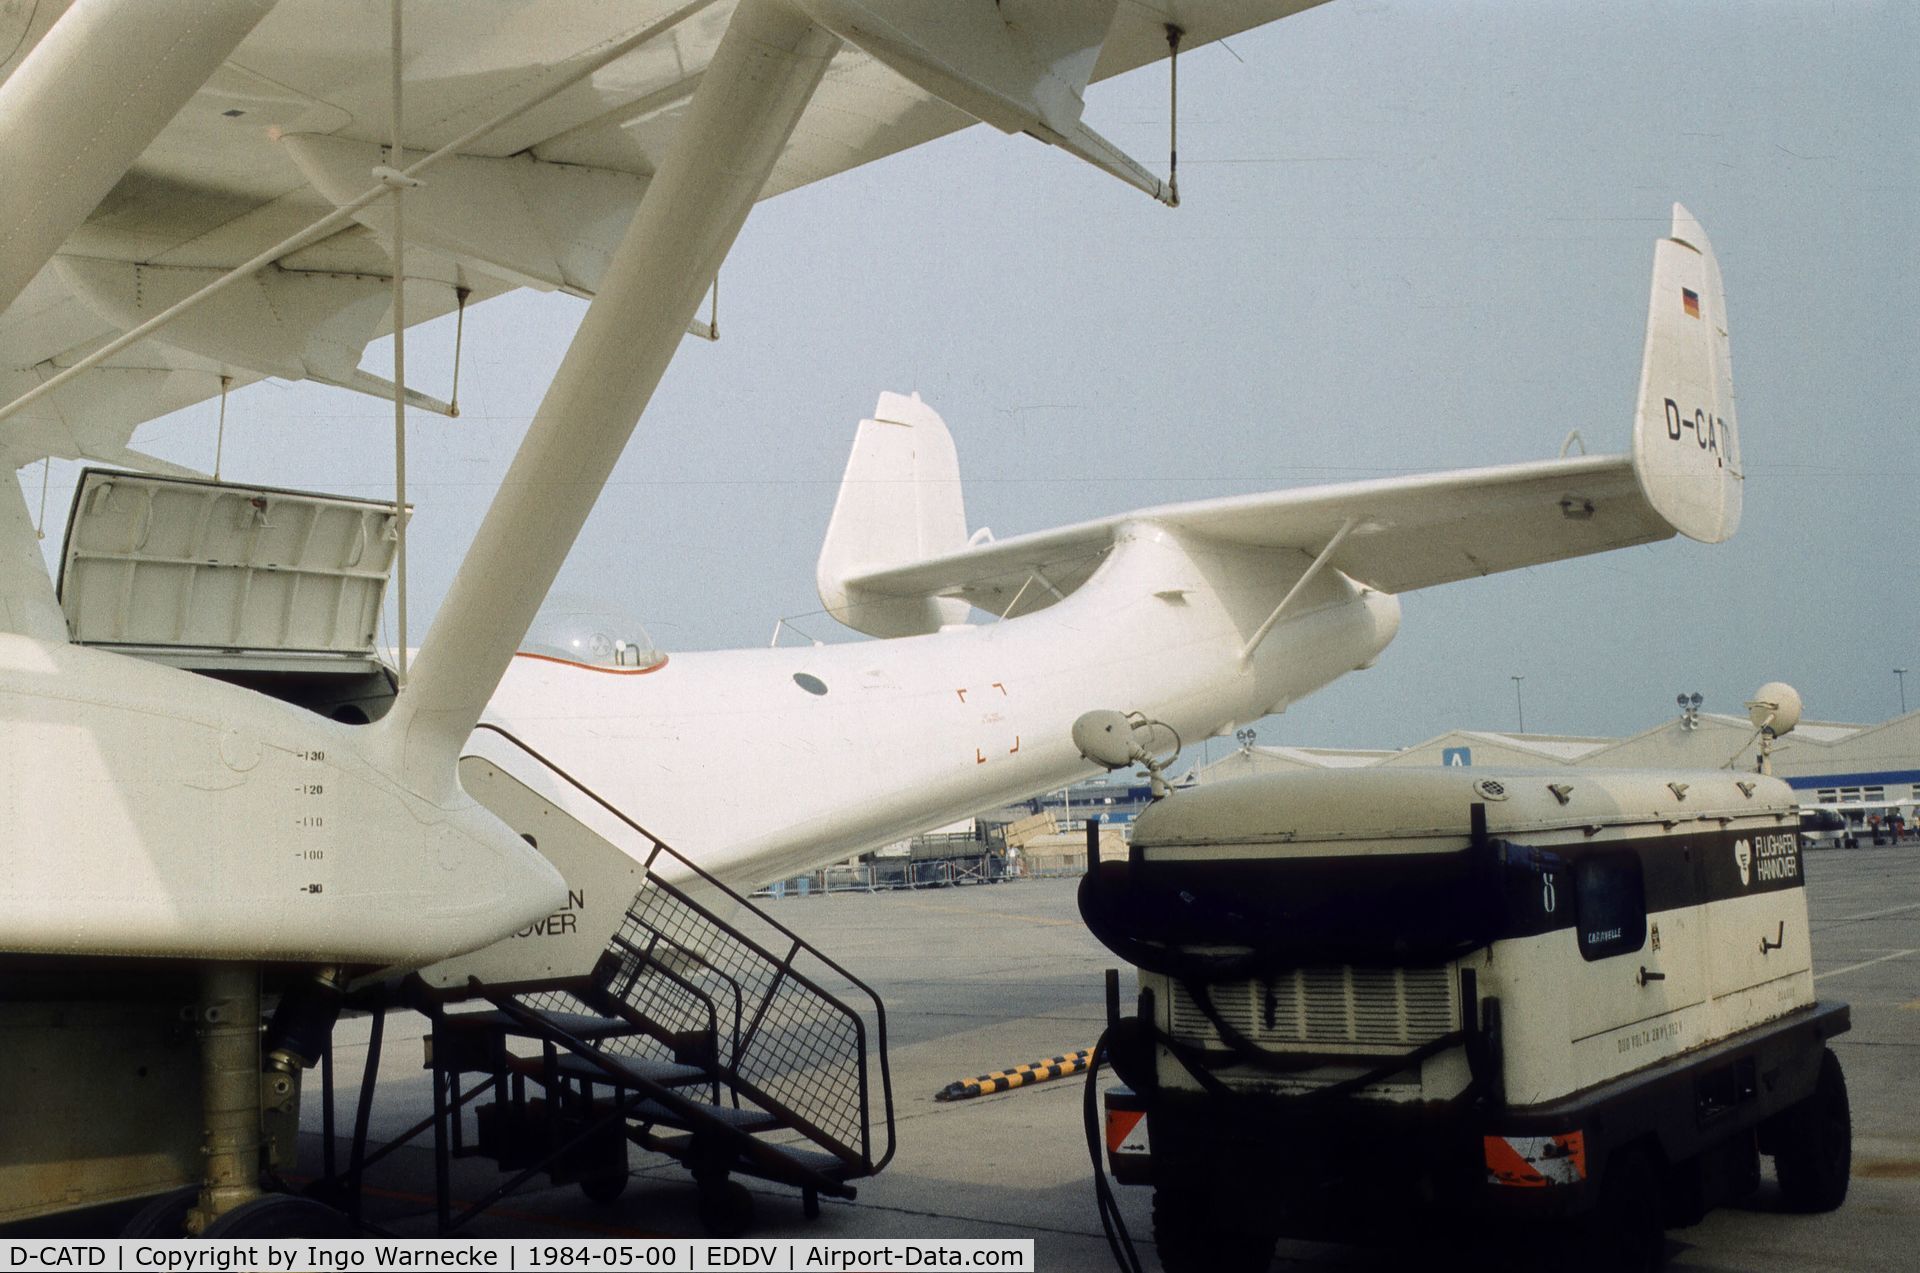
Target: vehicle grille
1339,1010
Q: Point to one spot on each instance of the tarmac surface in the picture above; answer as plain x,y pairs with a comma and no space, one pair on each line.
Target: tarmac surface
986,977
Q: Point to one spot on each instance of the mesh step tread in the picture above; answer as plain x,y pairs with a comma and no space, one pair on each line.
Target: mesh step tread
831,1166
803,1165
581,1025
663,1073
746,1120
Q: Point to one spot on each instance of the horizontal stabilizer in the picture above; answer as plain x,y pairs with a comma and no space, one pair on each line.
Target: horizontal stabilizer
1407,533
1403,533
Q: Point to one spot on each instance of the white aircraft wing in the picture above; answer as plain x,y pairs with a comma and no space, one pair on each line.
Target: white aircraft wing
289,126
1403,533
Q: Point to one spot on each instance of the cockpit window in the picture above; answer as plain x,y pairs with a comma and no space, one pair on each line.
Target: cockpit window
578,629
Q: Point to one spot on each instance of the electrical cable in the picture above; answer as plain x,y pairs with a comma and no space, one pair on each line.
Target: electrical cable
1119,1240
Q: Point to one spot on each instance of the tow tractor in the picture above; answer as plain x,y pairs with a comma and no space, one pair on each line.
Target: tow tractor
1575,1006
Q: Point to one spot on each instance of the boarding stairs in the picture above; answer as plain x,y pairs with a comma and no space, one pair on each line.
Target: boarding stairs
705,1031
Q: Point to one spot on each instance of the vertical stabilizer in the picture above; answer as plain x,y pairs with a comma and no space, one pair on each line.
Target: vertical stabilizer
899,503
1686,447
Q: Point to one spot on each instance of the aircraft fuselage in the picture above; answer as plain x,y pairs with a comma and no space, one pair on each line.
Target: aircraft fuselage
762,763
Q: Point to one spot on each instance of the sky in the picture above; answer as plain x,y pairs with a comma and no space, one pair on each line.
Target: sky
1412,236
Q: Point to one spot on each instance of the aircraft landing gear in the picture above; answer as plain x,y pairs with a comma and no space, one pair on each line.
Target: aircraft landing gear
227,1018
239,1089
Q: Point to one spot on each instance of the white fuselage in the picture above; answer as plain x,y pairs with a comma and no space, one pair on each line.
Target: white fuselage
729,759
152,812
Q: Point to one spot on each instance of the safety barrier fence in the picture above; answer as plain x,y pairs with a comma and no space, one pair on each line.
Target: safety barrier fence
885,875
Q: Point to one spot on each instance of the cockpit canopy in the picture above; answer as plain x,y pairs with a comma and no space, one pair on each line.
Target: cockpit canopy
579,629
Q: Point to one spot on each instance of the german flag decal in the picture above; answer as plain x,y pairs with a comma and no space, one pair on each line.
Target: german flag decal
1690,301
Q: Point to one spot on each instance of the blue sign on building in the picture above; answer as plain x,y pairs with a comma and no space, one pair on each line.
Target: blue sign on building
1456,756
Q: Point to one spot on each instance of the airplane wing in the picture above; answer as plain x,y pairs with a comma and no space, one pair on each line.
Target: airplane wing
289,126
897,547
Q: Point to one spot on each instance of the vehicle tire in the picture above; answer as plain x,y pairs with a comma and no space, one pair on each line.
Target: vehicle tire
282,1215
1627,1231
1813,1143
726,1208
1190,1242
164,1216
605,1187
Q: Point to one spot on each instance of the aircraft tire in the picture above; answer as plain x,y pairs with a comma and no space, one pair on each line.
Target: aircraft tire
282,1215
164,1216
1190,1242
726,1208
605,1187
1813,1143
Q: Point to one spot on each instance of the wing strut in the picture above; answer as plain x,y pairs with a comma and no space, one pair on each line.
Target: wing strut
86,101
762,77
398,184
220,434
460,295
1173,114
1319,564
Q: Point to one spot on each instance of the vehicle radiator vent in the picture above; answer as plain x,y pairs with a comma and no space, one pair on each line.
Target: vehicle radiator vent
1341,1009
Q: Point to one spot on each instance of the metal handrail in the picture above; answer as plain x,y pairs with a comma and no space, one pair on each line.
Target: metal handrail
787,973
799,944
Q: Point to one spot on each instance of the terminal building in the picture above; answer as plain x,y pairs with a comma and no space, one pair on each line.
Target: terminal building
1831,762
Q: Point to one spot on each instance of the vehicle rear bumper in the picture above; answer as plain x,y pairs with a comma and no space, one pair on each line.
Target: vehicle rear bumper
1334,1163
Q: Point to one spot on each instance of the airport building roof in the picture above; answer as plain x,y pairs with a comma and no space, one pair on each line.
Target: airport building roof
1816,755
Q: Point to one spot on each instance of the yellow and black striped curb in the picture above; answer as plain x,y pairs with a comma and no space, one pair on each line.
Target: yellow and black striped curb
1019,1076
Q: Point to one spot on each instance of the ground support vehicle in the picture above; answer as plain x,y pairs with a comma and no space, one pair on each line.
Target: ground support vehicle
1564,1009
1822,828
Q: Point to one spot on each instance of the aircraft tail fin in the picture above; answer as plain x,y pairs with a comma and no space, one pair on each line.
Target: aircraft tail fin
1686,447
895,561
900,503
